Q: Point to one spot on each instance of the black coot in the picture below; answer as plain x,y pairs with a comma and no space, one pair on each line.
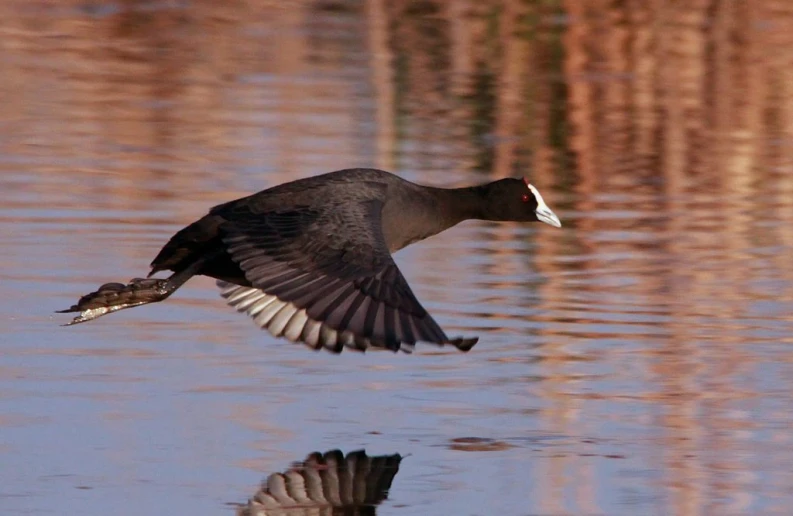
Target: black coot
310,260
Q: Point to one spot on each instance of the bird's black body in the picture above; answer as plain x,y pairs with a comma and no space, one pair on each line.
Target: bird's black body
311,259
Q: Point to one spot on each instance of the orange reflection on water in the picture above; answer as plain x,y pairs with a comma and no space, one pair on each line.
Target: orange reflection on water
638,358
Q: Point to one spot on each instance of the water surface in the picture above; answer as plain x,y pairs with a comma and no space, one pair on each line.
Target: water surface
636,361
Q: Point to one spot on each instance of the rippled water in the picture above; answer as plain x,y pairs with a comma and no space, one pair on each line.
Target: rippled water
637,361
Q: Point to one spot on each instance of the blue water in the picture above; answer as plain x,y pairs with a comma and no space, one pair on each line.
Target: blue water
636,361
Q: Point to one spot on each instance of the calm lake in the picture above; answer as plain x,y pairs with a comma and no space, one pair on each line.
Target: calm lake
639,360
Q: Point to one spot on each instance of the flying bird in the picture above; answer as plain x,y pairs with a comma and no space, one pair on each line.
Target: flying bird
310,260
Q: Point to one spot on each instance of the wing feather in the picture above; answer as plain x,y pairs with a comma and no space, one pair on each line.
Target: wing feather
324,276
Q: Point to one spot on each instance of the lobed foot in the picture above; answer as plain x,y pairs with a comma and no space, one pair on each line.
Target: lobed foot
112,297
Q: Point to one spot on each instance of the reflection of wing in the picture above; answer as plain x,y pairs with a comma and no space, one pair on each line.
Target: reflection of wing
324,276
325,485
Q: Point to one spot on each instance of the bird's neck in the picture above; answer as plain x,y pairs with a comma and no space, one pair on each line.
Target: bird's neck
459,204
437,210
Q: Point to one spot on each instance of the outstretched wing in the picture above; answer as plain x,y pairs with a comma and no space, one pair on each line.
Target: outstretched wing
323,275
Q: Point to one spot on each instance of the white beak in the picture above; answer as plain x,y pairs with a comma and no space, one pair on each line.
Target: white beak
543,212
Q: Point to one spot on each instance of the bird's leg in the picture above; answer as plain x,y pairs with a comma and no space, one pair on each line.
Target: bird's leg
112,297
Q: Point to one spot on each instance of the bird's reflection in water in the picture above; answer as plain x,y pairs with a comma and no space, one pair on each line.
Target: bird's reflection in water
328,484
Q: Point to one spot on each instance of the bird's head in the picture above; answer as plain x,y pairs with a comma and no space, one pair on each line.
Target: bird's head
517,200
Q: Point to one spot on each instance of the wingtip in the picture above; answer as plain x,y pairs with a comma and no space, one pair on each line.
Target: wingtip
464,344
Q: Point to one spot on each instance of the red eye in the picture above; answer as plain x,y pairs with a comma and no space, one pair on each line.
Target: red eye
525,198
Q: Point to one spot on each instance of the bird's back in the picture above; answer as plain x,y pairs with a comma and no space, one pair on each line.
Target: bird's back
320,194
348,185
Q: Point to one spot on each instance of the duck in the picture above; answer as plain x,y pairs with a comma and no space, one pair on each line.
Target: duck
311,260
